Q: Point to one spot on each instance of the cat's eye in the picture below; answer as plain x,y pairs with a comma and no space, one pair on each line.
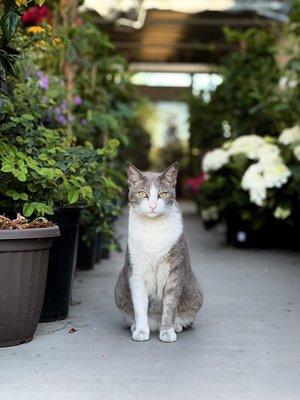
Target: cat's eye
163,195
143,195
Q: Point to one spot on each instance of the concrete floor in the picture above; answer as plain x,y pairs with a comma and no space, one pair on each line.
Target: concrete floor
245,344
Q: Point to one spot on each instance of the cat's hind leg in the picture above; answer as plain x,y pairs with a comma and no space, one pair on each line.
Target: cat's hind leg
178,325
189,305
123,299
182,322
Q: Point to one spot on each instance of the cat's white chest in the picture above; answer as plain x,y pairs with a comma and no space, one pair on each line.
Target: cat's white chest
149,242
155,278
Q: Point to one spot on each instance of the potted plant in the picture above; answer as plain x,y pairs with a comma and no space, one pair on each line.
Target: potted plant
24,253
252,183
96,221
36,180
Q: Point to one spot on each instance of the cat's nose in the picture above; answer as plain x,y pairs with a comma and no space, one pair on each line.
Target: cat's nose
152,206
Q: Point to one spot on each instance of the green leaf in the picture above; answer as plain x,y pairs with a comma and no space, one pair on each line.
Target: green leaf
23,196
7,166
42,208
16,196
20,175
28,209
29,117
10,24
73,196
32,188
43,157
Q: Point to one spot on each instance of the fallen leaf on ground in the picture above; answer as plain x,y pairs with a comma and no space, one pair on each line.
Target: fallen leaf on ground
72,330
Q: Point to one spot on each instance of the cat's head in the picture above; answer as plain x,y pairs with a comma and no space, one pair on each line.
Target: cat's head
152,194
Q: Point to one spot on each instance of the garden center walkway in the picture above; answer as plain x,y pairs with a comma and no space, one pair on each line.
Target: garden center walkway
245,344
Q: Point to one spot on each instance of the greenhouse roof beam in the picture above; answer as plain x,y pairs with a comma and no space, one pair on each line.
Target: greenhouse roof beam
172,67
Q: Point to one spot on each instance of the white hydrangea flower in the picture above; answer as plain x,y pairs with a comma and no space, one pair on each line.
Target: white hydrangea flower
269,172
290,135
253,181
282,212
210,214
297,152
214,160
276,174
268,151
248,145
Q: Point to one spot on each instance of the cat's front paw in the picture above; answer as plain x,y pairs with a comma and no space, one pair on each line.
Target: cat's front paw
140,334
168,335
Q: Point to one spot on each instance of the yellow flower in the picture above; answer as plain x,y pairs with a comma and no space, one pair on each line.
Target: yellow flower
49,28
35,29
41,44
57,42
20,3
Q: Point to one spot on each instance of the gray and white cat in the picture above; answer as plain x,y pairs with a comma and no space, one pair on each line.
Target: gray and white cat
157,289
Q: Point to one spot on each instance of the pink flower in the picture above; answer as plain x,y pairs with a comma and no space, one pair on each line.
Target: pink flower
194,184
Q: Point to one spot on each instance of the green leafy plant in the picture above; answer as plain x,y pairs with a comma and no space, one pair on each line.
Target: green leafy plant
105,107
37,159
257,95
11,12
59,136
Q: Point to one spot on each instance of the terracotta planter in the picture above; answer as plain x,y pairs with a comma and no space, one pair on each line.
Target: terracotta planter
23,270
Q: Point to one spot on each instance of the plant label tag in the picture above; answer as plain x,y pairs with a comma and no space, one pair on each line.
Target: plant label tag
241,236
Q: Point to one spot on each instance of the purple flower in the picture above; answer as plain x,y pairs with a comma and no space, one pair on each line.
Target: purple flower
83,122
77,100
43,80
62,120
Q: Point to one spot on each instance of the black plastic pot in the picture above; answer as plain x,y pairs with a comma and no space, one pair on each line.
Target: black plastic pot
105,253
87,253
62,264
271,235
24,257
99,247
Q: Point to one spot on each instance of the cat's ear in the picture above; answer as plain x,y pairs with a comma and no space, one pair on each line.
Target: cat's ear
170,174
133,174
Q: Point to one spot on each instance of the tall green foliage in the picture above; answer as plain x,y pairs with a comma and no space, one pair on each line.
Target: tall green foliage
256,96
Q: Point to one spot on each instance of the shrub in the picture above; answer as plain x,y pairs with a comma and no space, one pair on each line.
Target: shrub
257,178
